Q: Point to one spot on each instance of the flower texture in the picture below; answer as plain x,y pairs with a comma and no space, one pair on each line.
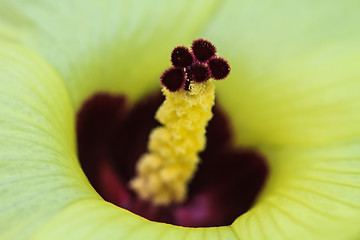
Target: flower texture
293,93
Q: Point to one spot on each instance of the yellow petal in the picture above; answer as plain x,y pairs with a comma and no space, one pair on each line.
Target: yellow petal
294,93
294,70
96,219
312,194
116,46
39,171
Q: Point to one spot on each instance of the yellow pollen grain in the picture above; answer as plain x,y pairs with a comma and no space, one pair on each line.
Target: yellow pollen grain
165,171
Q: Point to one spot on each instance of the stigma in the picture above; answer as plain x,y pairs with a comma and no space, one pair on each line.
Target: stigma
164,172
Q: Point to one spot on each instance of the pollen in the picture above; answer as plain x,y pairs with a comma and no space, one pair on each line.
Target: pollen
164,172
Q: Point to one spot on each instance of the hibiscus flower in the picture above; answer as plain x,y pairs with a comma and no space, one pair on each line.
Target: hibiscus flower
292,94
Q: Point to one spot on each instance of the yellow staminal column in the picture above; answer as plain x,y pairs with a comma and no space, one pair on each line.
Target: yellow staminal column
165,171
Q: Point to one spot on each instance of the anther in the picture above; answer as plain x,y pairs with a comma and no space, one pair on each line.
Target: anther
198,73
173,79
181,57
203,50
219,68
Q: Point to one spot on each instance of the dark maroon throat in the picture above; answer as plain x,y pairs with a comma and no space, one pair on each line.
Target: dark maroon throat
112,136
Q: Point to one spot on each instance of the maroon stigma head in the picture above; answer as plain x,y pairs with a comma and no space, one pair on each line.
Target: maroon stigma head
203,50
181,57
219,68
198,72
196,66
173,79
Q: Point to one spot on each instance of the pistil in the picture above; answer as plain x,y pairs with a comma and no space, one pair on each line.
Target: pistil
165,171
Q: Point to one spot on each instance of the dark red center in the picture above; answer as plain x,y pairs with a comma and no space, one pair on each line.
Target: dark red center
112,136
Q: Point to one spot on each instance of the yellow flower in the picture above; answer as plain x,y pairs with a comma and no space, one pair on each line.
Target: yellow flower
293,93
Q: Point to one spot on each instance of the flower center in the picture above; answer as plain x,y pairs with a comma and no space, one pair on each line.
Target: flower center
165,181
112,136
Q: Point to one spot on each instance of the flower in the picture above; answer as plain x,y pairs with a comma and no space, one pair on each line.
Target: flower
293,93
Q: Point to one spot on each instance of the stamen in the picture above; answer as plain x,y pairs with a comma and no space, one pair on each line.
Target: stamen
165,171
203,50
181,57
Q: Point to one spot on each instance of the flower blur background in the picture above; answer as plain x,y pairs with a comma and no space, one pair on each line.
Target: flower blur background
293,93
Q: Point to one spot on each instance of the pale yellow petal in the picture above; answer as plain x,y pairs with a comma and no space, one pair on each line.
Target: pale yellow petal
116,46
